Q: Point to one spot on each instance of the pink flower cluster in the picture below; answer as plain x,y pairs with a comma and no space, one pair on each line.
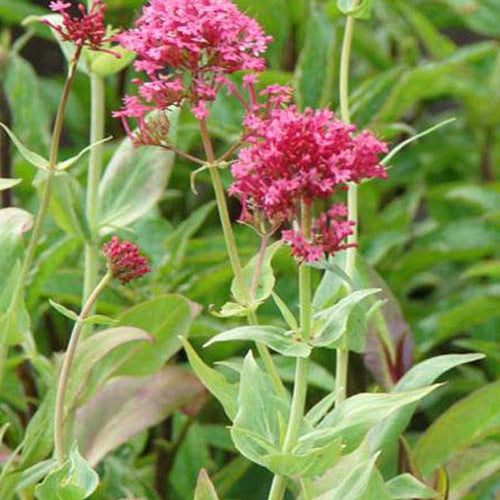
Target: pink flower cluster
186,48
86,30
296,158
124,260
328,234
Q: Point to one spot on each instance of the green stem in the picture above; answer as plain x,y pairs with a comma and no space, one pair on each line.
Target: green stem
59,444
97,120
46,191
301,368
352,200
233,253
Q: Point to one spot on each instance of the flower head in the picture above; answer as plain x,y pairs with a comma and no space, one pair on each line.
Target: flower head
186,47
85,30
295,158
328,234
124,260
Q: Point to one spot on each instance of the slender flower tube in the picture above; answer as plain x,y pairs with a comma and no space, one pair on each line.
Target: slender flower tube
125,264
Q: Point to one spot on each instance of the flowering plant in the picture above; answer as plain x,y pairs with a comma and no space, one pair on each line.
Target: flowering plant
245,352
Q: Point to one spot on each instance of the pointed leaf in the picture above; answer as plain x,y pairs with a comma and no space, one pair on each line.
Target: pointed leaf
315,69
406,486
386,433
8,183
74,480
215,382
288,316
64,165
204,488
104,64
467,421
68,313
354,417
274,337
258,425
342,322
34,158
265,281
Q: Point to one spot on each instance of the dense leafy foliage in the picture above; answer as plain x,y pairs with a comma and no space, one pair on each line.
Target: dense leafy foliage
425,301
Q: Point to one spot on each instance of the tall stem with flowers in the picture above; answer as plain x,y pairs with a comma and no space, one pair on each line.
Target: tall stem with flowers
290,165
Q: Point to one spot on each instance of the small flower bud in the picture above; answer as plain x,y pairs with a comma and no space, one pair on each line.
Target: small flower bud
124,260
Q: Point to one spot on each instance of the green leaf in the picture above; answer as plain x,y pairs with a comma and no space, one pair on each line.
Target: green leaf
30,156
167,319
466,422
288,316
406,486
343,323
127,406
64,165
68,313
354,477
359,10
22,86
262,415
429,80
134,181
66,205
278,339
38,439
471,466
204,488
14,223
387,433
92,350
99,319
354,417
176,243
74,480
437,44
481,16
315,69
231,310
8,183
216,383
320,409
313,455
265,281
15,482
104,64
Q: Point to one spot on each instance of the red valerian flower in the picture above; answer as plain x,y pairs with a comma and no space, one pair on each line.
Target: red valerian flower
186,47
328,234
294,158
124,260
86,30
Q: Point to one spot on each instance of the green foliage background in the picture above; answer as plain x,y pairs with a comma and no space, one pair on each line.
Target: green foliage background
431,230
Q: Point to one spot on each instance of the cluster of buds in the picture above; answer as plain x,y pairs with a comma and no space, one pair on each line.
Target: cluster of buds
124,260
85,30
